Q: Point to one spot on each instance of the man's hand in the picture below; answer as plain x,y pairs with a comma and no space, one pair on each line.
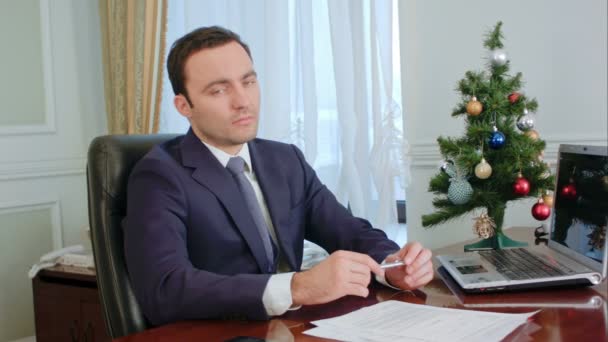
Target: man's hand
342,273
418,269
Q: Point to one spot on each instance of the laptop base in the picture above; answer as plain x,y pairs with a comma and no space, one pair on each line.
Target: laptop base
452,284
498,241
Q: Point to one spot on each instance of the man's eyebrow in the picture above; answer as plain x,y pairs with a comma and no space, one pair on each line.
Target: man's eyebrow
226,81
249,74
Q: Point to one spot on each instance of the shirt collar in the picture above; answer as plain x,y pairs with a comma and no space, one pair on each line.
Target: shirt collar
223,157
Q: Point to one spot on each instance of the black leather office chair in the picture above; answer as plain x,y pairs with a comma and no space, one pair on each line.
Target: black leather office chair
110,161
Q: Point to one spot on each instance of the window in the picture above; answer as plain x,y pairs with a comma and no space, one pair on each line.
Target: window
330,79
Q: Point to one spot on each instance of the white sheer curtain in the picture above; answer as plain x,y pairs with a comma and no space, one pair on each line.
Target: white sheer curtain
327,72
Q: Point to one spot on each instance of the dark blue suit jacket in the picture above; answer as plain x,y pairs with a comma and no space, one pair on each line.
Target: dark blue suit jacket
191,246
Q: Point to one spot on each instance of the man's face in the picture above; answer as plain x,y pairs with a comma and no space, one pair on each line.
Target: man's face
223,88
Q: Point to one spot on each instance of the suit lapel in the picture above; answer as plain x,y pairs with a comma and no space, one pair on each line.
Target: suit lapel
212,175
276,194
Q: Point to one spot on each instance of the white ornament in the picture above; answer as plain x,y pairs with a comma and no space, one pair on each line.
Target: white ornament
498,57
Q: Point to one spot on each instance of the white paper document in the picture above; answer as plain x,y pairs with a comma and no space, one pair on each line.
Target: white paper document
402,321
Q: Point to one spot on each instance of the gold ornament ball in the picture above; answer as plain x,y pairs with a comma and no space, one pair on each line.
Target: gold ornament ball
483,170
474,107
532,134
548,199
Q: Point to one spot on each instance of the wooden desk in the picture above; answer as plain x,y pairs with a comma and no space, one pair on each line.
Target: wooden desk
566,314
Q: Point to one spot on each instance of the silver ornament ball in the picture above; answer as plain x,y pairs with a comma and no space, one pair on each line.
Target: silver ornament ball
525,122
498,57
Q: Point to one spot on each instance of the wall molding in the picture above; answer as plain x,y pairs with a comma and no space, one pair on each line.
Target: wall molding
38,204
49,125
42,169
425,153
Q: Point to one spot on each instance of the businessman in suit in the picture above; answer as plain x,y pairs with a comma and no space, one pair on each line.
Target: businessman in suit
205,241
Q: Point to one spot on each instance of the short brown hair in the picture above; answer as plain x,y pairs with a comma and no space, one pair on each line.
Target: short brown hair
184,47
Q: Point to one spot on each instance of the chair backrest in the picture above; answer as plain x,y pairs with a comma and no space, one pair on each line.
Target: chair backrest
109,163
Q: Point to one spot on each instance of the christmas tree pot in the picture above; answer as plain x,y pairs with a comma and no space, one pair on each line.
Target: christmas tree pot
498,240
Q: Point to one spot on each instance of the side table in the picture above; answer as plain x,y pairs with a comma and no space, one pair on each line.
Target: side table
66,305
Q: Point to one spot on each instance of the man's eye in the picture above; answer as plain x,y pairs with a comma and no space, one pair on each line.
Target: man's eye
218,91
250,82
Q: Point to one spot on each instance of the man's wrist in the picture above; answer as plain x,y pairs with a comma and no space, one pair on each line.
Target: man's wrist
388,281
296,289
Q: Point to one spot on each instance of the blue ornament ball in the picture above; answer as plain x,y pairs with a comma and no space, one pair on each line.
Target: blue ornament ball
497,140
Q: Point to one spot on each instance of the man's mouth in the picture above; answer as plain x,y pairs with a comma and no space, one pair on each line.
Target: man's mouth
244,120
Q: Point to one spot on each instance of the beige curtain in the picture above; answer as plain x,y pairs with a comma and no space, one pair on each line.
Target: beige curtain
133,57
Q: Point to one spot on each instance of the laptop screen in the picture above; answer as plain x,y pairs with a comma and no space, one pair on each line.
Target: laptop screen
581,200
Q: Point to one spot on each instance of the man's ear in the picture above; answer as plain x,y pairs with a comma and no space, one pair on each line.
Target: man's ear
182,105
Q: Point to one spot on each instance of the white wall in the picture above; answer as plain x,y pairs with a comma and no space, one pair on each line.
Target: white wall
559,46
42,162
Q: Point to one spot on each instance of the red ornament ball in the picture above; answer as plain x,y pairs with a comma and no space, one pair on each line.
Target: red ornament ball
521,187
513,97
568,191
541,211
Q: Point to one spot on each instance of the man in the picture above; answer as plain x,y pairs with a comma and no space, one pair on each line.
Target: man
202,241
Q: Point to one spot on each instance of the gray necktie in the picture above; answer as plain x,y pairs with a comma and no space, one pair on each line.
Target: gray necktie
236,166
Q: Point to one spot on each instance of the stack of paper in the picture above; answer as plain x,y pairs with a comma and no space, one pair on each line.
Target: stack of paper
401,321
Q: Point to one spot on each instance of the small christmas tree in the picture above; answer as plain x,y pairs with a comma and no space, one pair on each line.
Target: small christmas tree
499,159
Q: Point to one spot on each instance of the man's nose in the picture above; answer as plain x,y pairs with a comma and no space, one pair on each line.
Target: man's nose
240,98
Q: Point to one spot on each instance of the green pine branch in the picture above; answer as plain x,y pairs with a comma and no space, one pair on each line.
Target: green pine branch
531,105
439,184
443,215
442,202
514,83
494,38
472,84
460,109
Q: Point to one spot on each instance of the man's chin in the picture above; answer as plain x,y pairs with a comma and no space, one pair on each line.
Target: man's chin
249,136
242,140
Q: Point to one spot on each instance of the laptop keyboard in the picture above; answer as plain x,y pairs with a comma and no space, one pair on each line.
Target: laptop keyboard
519,264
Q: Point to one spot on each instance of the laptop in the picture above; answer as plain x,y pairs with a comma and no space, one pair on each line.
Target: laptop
576,251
